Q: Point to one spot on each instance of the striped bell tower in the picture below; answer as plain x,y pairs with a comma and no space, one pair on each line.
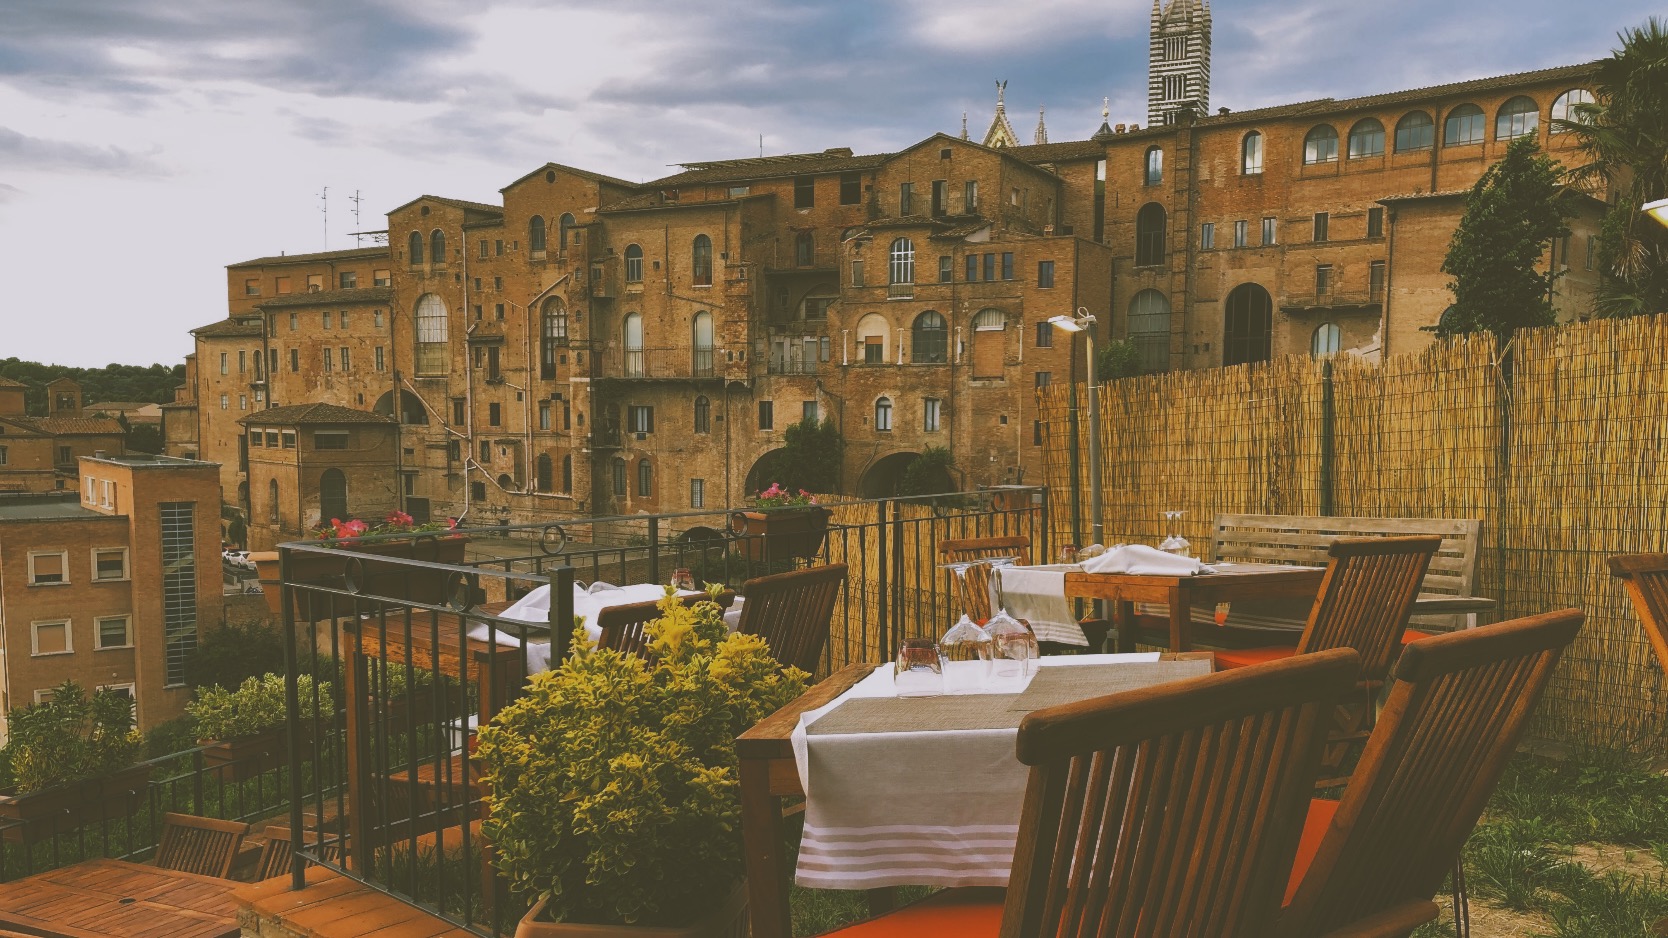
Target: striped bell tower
1178,61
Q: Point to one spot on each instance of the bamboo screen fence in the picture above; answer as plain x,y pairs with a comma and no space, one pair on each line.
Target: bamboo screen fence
1558,447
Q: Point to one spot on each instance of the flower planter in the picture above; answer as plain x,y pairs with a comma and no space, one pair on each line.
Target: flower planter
778,534
390,580
727,921
66,807
245,757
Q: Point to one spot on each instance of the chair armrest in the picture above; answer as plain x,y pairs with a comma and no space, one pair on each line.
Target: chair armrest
1394,922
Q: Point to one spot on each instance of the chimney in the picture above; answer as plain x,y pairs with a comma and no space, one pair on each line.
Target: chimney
98,454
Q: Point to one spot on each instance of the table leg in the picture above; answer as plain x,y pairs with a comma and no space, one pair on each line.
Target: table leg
1123,619
1181,617
762,848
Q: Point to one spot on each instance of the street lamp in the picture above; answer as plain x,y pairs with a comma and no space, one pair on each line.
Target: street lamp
1082,323
1657,210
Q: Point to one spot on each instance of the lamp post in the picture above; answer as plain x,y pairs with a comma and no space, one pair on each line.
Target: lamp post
1657,210
1083,322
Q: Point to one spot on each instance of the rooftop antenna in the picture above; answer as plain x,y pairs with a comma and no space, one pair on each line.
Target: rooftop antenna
357,232
761,144
324,207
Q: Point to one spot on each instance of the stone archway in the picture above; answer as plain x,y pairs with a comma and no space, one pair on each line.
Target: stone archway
883,476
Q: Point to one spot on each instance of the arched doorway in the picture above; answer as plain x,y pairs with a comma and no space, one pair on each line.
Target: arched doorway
885,475
1248,325
412,412
766,469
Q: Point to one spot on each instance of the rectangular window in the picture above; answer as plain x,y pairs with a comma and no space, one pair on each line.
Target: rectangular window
1592,250
641,418
109,564
972,273
272,361
946,269
940,195
346,362
382,278
295,319
242,362
906,198
767,415
498,311
225,402
851,188
1036,433
734,192
114,631
931,407
495,415
804,192
50,638
347,279
970,197
327,318
107,494
857,273
484,247
288,437
48,568
1172,87
376,319
1323,279
1007,265
282,284
1207,236
697,493
2,455
379,363
808,411
1322,224
990,267
492,362
874,350
544,415
254,440
252,287
225,363
315,282
1045,273
1241,233
1045,334
498,283
330,439
1375,223
343,316
329,359
1268,231
295,359
179,586
272,439
1045,378
1375,279
457,411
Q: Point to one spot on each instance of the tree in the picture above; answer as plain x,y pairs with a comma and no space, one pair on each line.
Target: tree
1624,135
233,653
1511,215
928,473
1117,359
810,458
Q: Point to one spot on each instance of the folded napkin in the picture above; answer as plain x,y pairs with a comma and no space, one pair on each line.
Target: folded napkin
1038,595
1142,560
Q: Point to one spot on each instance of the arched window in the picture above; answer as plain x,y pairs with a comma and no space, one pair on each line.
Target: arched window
505,482
1249,321
1155,166
1519,117
1321,145
430,321
1149,329
701,329
543,473
883,413
903,261
1251,154
566,225
1366,139
1464,125
1569,108
990,332
437,247
701,260
333,498
272,501
567,473
535,234
1149,235
703,414
871,338
1415,132
930,342
634,263
645,478
631,331
553,333
415,248
804,249
619,477
1326,340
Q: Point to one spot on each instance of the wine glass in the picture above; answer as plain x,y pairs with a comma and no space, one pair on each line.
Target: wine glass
1013,648
967,656
919,671
1175,543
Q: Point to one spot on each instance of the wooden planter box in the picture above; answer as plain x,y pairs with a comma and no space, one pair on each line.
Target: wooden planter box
381,579
728,921
66,807
243,758
780,533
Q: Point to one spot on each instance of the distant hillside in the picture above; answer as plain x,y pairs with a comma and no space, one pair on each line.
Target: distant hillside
154,383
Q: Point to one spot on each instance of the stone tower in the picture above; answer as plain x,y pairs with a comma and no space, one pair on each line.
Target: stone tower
1178,61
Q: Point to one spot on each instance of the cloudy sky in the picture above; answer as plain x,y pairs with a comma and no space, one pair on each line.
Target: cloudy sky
145,144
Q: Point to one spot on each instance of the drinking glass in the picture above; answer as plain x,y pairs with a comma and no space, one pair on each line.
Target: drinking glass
1175,543
919,671
1013,649
967,655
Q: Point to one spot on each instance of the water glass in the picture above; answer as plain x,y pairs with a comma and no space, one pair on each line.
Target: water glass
1014,649
920,670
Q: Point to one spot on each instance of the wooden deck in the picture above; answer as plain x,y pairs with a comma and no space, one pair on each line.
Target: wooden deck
333,906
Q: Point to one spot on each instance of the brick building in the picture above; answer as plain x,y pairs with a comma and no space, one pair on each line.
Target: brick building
595,346
309,463
111,582
38,454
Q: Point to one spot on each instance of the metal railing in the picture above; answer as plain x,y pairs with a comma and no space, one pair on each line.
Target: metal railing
411,796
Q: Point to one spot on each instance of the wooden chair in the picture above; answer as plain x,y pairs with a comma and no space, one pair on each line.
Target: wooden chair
792,611
1170,810
275,853
205,846
623,626
1454,717
1646,579
952,550
973,590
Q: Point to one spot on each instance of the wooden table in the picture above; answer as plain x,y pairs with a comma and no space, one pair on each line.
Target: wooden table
1235,582
118,899
768,774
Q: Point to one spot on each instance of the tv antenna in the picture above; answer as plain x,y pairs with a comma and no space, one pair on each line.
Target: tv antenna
324,207
356,232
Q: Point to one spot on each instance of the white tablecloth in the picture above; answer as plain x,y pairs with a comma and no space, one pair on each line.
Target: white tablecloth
1038,595
534,608
893,809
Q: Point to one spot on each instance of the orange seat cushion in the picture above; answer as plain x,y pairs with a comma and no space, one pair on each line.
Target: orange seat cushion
1245,657
970,912
1412,635
1315,825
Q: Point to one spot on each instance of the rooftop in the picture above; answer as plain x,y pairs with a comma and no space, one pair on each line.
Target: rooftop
359,295
44,506
6,382
316,413
228,329
150,461
71,426
835,160
380,250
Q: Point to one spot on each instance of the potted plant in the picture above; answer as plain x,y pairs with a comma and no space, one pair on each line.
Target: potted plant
431,542
781,525
615,805
243,729
71,761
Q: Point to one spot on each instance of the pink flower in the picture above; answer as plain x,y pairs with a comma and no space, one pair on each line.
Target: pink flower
399,519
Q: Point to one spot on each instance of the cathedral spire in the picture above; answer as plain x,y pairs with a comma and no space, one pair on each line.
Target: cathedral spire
1001,132
1041,135
964,125
1178,61
1105,131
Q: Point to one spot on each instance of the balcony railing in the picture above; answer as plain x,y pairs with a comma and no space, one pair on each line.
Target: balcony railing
666,364
410,785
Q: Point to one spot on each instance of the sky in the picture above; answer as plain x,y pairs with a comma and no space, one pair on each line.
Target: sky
146,144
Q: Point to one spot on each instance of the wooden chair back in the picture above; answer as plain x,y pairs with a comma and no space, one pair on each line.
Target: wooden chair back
1646,579
1453,719
205,846
623,627
952,550
1365,598
792,611
1171,810
973,591
275,853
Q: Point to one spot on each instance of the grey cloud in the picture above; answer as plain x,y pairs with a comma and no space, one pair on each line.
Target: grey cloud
9,193
20,151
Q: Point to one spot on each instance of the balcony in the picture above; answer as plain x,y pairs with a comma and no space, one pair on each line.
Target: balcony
684,363
900,291
1332,302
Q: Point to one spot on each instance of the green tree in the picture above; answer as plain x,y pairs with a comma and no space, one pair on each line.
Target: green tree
1624,135
1511,215
810,458
928,473
233,653
1117,359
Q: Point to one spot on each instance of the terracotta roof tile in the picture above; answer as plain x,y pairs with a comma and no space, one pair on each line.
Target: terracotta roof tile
345,255
228,329
6,382
1064,151
72,426
315,413
358,295
838,160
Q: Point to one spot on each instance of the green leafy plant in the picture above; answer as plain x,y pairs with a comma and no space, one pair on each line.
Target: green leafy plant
233,653
256,706
928,473
1119,358
778,497
397,522
71,737
614,782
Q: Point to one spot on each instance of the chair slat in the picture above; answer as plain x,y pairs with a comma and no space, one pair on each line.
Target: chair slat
205,846
792,611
